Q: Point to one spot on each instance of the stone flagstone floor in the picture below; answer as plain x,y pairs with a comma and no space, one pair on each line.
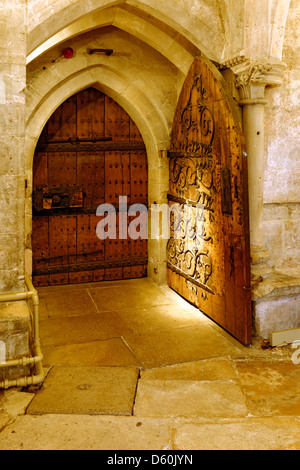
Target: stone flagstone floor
132,366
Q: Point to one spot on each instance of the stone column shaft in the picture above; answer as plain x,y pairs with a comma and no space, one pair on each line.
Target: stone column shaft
252,80
12,137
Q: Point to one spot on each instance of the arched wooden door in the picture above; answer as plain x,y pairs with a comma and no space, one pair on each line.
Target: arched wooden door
90,153
208,254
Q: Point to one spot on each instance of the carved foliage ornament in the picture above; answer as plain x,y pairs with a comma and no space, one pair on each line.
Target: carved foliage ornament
260,73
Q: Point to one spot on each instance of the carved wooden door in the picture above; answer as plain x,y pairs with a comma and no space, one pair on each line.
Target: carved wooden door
208,252
89,153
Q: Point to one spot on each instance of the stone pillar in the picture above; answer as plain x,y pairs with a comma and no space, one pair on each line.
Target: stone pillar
252,80
12,134
14,316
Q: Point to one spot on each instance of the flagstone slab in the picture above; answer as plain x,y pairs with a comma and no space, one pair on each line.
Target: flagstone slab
208,370
160,317
66,301
79,329
206,399
246,434
87,390
133,295
271,388
84,432
15,402
111,352
177,345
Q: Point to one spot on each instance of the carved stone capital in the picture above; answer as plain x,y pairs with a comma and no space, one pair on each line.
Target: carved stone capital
252,78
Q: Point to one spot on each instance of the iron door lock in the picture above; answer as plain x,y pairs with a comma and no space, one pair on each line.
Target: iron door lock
57,197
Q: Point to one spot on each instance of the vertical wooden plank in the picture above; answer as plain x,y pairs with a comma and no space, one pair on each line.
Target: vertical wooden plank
68,119
62,168
113,177
54,126
116,121
84,115
139,177
97,248
98,120
71,249
113,252
113,190
62,243
56,169
62,124
40,169
90,114
57,248
86,163
98,195
90,176
82,248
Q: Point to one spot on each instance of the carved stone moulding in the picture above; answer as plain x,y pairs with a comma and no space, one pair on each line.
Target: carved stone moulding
252,78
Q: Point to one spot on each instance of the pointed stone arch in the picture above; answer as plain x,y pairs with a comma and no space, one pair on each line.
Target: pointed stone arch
147,117
182,24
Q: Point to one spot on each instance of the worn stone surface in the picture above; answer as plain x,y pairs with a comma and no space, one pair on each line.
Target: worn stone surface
72,330
112,352
16,402
208,399
66,302
178,345
87,390
249,434
271,389
140,295
160,317
149,90
206,370
226,397
65,432
208,388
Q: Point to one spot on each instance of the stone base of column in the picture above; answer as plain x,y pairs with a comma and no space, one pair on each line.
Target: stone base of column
261,267
14,338
275,303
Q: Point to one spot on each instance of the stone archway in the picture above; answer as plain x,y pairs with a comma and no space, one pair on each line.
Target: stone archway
150,117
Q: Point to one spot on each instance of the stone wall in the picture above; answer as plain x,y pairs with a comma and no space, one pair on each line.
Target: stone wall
12,127
282,163
14,338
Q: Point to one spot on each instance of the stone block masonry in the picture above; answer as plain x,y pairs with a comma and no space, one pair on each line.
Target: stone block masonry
12,136
14,337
